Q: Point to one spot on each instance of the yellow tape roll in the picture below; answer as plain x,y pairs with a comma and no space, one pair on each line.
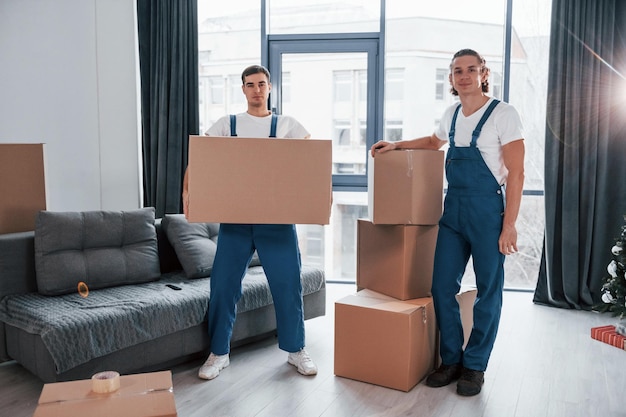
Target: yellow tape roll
104,382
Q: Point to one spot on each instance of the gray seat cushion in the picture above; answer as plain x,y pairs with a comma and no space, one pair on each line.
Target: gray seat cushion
195,244
100,248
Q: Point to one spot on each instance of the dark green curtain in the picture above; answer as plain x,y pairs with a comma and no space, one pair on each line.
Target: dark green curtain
168,58
585,164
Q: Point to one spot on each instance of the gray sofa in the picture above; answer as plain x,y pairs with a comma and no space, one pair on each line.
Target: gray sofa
93,291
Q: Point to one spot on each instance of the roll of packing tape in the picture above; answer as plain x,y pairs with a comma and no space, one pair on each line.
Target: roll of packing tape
104,382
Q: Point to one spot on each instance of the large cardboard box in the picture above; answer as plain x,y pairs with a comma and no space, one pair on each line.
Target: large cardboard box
259,180
22,186
384,341
466,298
406,187
395,260
139,395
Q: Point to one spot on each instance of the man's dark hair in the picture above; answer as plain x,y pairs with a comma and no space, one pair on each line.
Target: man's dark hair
483,67
254,69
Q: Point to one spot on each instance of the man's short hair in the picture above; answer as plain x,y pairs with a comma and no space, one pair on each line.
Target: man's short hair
254,69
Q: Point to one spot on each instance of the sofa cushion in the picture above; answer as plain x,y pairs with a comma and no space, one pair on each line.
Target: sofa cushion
100,248
195,244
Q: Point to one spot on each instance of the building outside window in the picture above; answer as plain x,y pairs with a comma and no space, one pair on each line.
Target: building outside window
286,87
216,90
342,132
362,80
495,84
235,94
441,82
342,83
394,85
393,130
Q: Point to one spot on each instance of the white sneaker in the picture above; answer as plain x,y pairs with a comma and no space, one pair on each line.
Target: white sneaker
303,362
213,365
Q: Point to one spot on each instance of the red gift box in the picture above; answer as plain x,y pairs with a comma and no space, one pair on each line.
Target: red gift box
608,335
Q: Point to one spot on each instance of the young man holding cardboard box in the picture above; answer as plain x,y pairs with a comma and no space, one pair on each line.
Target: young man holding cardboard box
477,219
276,244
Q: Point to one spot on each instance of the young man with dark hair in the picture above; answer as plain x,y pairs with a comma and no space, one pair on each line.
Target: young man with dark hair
276,244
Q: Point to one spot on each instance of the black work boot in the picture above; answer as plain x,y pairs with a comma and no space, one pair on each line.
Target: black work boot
444,375
470,383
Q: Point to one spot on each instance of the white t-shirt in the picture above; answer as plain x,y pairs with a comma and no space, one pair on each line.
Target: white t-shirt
503,126
249,126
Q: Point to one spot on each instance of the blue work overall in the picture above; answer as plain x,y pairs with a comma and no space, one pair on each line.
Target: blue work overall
470,225
277,247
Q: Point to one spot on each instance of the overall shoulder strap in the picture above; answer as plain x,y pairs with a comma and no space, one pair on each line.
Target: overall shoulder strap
453,125
273,127
482,121
233,125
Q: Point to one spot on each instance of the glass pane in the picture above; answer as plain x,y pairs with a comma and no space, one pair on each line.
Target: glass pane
485,11
333,247
322,16
229,39
338,97
528,93
420,63
529,81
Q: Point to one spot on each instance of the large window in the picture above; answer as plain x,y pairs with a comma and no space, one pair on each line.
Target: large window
420,39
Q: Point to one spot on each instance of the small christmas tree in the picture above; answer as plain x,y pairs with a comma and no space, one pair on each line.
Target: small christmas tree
614,287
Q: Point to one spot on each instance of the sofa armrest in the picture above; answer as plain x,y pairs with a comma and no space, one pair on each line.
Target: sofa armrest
17,263
17,272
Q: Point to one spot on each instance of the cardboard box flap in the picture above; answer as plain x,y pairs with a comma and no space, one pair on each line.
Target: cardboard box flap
373,294
374,300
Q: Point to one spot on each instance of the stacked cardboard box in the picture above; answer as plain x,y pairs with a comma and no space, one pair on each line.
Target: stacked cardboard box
395,260
396,245
385,334
383,340
22,185
406,187
608,335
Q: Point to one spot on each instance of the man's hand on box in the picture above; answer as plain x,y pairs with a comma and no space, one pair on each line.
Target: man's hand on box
382,146
186,204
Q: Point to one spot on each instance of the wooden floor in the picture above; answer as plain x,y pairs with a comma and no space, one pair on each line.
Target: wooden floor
544,364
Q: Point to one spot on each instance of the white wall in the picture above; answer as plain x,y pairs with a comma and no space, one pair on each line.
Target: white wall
69,79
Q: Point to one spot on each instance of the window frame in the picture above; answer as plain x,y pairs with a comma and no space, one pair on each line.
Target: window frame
369,43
